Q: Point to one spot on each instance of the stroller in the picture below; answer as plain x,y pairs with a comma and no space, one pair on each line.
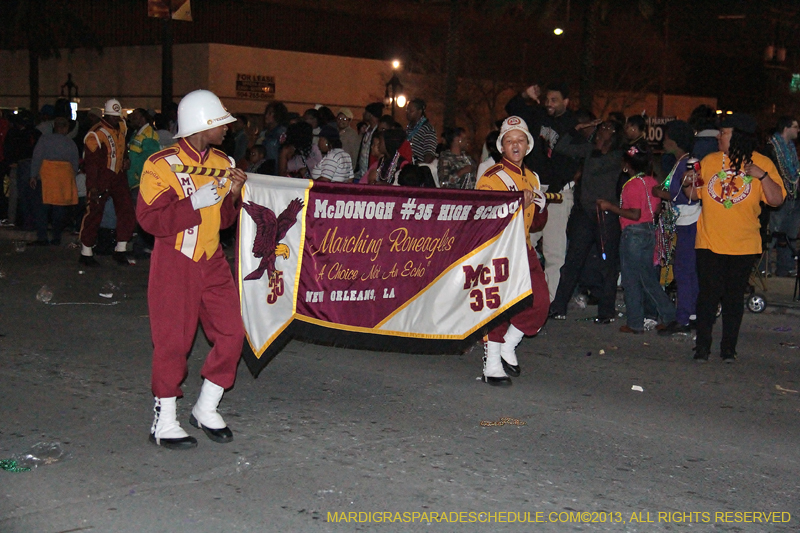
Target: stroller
754,298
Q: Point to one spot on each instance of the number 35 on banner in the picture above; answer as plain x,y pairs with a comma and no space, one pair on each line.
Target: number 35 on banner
491,298
485,275
276,287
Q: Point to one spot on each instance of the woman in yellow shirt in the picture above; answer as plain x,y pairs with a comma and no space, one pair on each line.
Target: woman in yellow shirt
732,182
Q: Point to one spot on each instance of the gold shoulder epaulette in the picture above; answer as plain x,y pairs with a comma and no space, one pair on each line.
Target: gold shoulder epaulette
493,169
166,152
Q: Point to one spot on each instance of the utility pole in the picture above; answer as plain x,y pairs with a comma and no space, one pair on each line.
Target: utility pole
662,75
166,62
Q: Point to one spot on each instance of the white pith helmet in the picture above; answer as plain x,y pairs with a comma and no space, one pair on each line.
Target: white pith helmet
112,108
199,111
514,123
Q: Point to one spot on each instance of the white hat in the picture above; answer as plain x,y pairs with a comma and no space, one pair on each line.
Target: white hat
514,123
112,108
199,111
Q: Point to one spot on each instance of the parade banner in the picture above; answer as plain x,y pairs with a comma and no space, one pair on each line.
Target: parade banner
175,9
389,261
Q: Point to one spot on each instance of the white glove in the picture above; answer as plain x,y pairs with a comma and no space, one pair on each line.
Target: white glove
539,199
205,196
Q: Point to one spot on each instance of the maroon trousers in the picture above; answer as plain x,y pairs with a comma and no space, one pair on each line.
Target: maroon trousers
180,293
531,319
116,187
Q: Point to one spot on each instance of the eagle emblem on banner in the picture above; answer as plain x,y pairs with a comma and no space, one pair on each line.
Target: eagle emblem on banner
270,230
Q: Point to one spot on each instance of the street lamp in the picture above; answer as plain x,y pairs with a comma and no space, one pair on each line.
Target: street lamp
394,88
72,89
558,30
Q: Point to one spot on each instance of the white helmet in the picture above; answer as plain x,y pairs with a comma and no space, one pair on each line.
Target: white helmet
199,111
112,108
514,123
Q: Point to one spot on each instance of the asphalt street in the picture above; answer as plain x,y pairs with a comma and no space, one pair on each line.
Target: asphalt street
332,439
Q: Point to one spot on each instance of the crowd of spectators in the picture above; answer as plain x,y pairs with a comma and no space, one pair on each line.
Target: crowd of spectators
621,208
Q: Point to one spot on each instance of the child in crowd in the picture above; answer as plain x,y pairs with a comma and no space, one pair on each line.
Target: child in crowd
257,160
637,210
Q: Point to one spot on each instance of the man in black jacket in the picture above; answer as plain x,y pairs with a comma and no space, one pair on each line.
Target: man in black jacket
556,172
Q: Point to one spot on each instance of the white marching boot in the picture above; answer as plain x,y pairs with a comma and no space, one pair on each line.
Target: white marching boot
493,372
205,416
508,352
165,430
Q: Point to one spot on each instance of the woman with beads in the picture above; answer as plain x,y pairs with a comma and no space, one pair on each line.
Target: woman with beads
456,167
637,211
396,156
731,185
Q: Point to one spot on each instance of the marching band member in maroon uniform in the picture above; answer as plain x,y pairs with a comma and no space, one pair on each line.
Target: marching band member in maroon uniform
106,177
510,174
190,279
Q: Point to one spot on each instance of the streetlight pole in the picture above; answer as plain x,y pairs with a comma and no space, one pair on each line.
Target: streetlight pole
71,87
393,88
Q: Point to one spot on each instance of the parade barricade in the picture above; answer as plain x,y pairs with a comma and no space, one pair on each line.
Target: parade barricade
380,264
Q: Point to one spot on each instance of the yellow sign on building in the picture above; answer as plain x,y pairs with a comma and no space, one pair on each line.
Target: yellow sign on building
255,86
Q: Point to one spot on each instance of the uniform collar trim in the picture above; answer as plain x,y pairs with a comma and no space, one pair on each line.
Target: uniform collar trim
106,126
511,166
191,151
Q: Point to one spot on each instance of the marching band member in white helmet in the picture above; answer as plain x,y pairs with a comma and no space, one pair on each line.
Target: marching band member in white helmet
510,174
106,177
190,279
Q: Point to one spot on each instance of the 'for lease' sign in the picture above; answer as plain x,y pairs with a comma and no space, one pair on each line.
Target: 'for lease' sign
255,86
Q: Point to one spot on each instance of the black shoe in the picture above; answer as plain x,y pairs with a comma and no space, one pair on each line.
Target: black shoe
701,355
88,260
121,258
728,357
674,327
505,381
557,316
217,435
600,320
511,370
184,443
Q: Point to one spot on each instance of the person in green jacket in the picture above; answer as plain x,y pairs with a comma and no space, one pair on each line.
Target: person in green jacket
143,144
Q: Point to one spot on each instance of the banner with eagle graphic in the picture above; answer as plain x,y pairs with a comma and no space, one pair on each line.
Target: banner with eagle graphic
338,261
